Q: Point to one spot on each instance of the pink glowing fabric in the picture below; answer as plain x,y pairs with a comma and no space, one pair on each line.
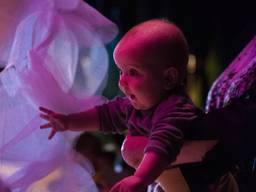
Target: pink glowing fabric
238,79
54,56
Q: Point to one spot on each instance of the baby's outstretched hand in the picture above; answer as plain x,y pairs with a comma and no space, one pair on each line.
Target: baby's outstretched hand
56,121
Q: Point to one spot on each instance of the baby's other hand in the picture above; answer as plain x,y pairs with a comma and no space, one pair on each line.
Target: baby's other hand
129,184
57,122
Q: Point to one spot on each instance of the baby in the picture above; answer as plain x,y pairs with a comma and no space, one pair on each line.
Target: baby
152,59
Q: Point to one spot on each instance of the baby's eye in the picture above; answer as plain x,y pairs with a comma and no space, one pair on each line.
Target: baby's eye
133,72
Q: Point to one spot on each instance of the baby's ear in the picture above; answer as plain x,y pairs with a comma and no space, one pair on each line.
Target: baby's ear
170,77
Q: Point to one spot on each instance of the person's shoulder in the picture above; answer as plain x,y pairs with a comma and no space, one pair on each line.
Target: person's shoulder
176,108
177,104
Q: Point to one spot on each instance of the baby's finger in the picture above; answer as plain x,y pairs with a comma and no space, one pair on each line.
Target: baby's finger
45,117
48,111
45,126
53,132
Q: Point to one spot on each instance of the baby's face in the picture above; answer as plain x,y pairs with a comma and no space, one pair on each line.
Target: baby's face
139,81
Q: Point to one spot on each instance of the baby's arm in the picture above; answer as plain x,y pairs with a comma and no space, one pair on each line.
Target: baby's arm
83,121
192,150
171,179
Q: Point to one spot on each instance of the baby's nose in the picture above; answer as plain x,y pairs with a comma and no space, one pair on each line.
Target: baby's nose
122,81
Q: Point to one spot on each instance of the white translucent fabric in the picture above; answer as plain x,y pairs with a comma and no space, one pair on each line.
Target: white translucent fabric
54,56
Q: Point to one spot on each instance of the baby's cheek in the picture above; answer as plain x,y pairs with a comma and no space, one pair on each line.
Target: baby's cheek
133,149
138,84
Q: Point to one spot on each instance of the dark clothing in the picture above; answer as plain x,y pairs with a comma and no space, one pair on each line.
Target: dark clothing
234,127
200,179
166,125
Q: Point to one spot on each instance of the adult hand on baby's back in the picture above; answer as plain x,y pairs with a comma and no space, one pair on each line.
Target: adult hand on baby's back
56,121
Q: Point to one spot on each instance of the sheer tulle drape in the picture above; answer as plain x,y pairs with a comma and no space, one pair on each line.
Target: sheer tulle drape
54,56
